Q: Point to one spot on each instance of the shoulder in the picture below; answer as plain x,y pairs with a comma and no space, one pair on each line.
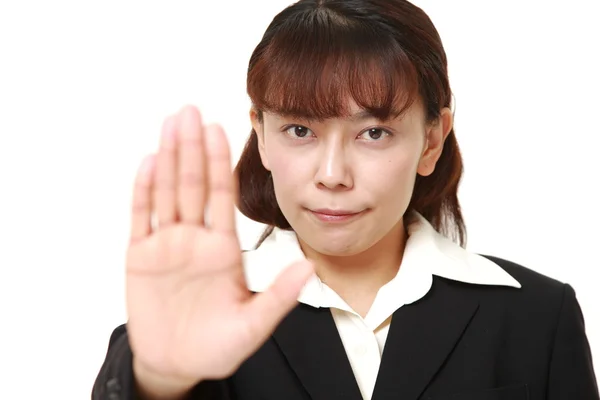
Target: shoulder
536,303
530,280
545,314
541,298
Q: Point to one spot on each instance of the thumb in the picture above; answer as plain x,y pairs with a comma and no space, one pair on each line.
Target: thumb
267,309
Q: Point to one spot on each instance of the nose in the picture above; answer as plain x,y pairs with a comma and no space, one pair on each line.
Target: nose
334,168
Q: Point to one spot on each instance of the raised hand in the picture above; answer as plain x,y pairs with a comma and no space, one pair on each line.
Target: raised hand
191,316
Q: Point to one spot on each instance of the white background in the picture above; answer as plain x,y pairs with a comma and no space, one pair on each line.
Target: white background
84,87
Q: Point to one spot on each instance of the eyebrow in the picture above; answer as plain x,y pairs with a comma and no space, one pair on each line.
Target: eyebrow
364,114
361,116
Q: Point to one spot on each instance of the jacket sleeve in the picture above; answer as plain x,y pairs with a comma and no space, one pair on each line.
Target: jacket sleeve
115,381
571,373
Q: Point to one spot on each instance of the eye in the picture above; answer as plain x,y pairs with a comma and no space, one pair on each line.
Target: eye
374,134
298,131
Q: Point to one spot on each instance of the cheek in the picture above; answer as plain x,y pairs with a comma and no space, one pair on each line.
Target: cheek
289,177
393,180
283,168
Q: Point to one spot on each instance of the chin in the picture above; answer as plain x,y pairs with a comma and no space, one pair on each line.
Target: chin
338,244
339,252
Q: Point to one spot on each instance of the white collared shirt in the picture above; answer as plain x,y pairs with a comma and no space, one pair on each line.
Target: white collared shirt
427,253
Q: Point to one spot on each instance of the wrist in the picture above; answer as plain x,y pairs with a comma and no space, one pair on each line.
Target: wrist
153,386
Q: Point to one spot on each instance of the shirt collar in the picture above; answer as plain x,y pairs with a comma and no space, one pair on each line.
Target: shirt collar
427,253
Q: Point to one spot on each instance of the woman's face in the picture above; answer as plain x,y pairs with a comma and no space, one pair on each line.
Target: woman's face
359,167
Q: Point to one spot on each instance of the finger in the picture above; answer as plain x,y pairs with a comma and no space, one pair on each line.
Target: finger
191,190
141,212
267,309
221,183
165,176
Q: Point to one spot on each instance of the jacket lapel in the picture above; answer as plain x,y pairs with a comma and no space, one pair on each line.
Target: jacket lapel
421,337
311,343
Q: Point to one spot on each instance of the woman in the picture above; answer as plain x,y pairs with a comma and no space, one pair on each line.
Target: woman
354,166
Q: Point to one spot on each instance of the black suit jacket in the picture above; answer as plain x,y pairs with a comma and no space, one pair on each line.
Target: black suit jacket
460,342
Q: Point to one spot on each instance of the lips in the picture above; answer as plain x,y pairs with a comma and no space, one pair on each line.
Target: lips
337,213
335,216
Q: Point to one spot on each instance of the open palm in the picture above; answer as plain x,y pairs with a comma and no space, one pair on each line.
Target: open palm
191,315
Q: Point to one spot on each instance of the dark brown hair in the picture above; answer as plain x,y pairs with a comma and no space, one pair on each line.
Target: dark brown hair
384,54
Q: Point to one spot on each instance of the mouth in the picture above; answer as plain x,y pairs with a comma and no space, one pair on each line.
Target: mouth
331,216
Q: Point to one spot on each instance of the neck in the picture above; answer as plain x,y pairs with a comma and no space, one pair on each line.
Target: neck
358,278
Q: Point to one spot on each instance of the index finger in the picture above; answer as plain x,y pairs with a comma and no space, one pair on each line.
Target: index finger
141,209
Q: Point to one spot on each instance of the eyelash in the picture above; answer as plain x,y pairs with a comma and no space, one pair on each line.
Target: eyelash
288,127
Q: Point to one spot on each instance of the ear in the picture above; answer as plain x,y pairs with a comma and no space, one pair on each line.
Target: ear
259,128
437,132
